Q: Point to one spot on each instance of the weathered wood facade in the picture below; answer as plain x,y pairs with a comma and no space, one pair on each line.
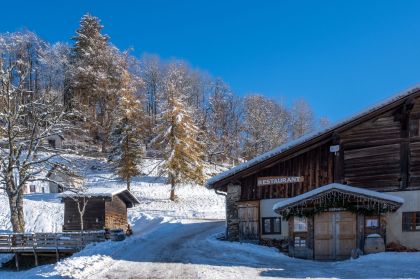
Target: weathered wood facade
93,219
104,210
378,149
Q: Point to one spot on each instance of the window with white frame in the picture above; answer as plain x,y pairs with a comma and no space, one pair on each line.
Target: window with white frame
300,224
271,225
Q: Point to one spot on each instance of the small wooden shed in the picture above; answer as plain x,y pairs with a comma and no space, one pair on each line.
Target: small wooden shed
106,208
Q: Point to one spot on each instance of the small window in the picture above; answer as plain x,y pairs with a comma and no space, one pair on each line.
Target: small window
411,221
300,242
300,224
271,225
414,127
32,188
51,143
372,223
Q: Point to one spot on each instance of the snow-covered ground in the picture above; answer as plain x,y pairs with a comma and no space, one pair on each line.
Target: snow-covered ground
173,248
44,212
179,240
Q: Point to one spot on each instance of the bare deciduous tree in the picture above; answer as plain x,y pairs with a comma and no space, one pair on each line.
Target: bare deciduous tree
265,125
27,119
302,118
81,198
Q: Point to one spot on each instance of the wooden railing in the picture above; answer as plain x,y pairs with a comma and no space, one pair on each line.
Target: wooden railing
66,241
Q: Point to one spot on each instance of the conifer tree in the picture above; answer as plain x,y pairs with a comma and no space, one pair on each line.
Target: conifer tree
88,63
177,134
94,75
126,134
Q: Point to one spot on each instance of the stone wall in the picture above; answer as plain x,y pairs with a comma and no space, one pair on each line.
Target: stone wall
232,219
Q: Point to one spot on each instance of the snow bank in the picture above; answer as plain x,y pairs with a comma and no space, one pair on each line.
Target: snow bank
98,257
194,202
43,213
152,191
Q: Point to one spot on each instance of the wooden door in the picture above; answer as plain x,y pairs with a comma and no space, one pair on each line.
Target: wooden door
248,213
345,234
334,235
324,236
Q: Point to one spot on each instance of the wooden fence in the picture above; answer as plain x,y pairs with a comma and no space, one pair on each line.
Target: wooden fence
52,243
48,242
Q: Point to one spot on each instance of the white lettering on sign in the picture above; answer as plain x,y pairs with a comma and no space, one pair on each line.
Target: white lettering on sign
273,180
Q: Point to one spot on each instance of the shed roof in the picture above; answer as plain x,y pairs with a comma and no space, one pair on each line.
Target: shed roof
313,137
103,192
392,202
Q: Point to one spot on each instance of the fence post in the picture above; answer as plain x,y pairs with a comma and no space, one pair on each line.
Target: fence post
57,255
34,245
10,241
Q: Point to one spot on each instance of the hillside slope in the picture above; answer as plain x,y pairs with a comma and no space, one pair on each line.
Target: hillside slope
45,212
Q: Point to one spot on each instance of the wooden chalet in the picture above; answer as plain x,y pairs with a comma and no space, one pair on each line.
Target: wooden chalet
106,208
324,195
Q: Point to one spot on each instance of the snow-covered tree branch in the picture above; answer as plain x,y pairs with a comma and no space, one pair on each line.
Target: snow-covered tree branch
27,118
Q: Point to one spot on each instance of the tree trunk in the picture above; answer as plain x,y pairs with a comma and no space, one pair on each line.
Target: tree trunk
16,211
172,197
128,184
81,222
104,144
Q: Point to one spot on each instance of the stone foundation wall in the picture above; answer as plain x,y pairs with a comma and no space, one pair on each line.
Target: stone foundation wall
232,219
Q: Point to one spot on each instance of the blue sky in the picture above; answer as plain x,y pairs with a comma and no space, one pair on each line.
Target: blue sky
340,55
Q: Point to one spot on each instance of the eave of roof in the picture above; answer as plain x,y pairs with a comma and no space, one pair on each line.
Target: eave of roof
277,152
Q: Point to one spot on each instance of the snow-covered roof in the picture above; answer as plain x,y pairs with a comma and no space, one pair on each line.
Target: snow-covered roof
339,187
292,144
104,192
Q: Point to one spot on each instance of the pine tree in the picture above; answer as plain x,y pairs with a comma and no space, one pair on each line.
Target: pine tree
126,134
177,134
88,69
94,78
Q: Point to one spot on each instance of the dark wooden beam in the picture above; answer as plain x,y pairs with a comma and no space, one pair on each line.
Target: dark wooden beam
338,160
403,116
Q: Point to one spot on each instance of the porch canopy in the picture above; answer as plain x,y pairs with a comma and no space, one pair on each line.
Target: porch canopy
338,196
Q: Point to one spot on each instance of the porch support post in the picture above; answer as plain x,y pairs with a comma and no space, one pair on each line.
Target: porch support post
232,218
17,261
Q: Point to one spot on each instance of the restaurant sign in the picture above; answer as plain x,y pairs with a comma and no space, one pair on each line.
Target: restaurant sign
274,180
